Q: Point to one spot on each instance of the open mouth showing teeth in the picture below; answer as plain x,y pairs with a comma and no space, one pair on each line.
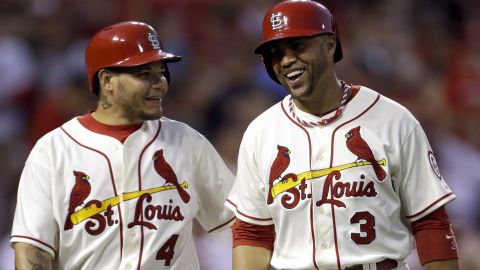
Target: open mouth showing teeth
153,98
295,74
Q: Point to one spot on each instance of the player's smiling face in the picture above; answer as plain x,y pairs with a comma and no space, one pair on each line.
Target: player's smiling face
139,91
301,63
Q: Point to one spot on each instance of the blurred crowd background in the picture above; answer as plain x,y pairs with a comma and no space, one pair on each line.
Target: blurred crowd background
423,54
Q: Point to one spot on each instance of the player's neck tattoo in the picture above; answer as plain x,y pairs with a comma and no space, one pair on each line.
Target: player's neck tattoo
104,102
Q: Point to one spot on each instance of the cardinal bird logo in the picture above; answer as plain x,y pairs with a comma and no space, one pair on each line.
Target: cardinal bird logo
357,145
79,193
279,165
166,172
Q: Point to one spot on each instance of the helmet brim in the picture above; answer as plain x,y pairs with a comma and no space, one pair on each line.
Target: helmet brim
148,57
263,45
266,43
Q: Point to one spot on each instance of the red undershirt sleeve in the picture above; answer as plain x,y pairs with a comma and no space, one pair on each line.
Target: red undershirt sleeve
434,237
246,234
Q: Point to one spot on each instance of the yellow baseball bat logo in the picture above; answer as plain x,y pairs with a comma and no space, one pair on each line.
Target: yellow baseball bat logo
288,183
92,210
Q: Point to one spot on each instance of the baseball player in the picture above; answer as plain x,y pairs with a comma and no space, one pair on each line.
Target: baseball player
335,176
119,188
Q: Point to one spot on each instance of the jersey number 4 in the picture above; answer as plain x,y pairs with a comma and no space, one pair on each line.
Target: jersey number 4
166,251
367,228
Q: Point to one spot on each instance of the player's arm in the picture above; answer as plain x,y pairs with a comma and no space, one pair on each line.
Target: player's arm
436,245
442,265
251,258
31,257
252,245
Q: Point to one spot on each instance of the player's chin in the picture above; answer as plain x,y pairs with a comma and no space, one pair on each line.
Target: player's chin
296,90
151,115
299,92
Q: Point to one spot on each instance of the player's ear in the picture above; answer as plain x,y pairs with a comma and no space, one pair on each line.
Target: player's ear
331,43
105,79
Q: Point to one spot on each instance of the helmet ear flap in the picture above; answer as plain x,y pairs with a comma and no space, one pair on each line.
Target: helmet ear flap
267,61
167,73
95,85
338,55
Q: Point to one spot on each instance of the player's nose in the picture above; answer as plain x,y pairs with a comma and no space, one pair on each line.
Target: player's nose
288,57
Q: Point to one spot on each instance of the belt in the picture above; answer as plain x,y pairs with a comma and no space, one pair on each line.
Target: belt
386,264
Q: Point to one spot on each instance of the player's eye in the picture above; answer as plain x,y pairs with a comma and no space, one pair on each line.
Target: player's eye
276,53
142,74
297,46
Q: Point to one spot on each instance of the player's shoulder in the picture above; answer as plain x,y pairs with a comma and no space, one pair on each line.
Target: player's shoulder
60,131
51,140
179,129
175,126
388,106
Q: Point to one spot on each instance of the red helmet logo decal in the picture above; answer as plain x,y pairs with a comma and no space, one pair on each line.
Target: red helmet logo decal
153,39
278,22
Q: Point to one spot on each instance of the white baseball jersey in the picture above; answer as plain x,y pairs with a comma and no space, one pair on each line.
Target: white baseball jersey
342,194
130,205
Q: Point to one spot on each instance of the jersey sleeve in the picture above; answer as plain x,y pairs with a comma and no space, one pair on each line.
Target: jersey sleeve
215,182
34,222
248,197
422,188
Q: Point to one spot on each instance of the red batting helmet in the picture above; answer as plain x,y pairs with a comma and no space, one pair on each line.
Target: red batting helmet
296,18
122,45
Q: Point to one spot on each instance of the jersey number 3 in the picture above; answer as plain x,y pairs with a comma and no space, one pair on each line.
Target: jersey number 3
367,228
166,251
